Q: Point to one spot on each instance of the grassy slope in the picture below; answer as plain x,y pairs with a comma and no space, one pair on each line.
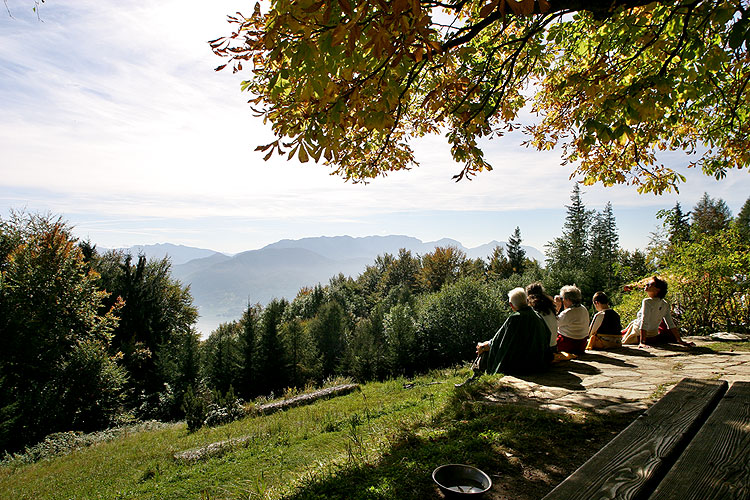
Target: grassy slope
382,442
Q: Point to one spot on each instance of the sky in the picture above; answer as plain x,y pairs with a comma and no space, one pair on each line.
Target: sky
112,116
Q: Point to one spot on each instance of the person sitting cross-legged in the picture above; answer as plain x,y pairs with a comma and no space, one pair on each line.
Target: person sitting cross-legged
519,345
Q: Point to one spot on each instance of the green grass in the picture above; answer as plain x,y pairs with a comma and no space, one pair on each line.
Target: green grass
728,346
379,443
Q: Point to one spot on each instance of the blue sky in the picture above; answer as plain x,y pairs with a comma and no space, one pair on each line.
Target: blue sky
111,115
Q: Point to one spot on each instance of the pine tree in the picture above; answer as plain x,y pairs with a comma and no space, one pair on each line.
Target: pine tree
269,354
710,216
568,254
603,248
222,357
676,223
742,221
248,340
328,329
516,254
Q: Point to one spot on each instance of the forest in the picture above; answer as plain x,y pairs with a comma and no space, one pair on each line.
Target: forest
97,340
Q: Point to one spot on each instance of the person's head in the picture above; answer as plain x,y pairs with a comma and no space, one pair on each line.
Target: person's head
539,300
601,301
517,298
535,289
656,287
571,295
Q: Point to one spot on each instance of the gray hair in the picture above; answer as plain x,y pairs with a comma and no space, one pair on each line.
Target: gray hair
517,297
572,293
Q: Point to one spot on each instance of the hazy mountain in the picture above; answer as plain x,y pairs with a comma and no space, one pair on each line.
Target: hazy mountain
178,254
485,251
222,286
343,247
338,247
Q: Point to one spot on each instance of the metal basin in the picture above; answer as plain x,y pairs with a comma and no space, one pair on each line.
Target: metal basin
461,481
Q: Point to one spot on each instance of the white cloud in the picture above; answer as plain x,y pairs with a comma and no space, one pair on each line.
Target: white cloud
112,112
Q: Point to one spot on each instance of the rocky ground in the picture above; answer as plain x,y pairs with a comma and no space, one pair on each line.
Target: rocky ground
625,379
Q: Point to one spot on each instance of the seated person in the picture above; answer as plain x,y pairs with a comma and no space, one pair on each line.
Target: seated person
605,331
644,329
519,346
558,304
545,306
572,322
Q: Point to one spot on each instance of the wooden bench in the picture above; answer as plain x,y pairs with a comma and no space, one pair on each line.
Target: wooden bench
694,443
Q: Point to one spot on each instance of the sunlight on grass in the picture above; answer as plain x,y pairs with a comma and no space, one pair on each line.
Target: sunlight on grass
380,442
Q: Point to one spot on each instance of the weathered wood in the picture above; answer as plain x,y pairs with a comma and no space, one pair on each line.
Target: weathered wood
630,465
716,463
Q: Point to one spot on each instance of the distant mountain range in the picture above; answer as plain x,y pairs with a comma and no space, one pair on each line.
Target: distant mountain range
222,285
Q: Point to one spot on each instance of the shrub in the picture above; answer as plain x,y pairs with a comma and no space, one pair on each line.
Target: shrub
452,321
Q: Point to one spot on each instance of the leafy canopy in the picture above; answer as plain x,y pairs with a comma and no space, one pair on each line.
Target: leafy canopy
612,83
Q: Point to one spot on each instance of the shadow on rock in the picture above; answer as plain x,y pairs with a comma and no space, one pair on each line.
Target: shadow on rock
601,358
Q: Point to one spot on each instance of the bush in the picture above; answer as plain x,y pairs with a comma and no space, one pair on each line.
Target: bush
709,282
452,321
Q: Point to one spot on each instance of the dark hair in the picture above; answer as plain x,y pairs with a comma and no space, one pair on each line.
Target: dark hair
601,298
539,300
661,285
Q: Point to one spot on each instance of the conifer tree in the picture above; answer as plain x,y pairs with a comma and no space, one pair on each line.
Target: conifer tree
328,330
676,223
516,254
742,221
269,354
248,340
710,216
222,357
567,255
603,248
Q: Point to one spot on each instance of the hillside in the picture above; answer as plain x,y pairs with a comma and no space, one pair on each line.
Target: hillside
381,442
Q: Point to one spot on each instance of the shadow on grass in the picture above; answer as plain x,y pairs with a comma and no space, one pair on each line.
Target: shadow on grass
525,451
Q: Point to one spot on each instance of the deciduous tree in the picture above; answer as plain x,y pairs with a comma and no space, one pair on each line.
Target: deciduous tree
56,373
441,267
614,83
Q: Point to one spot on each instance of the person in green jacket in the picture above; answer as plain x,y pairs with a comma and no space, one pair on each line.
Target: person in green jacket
519,346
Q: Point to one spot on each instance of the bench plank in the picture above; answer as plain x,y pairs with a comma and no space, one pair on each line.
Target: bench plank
634,461
716,463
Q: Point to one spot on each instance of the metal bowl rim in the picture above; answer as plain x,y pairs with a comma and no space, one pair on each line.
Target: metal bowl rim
439,467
